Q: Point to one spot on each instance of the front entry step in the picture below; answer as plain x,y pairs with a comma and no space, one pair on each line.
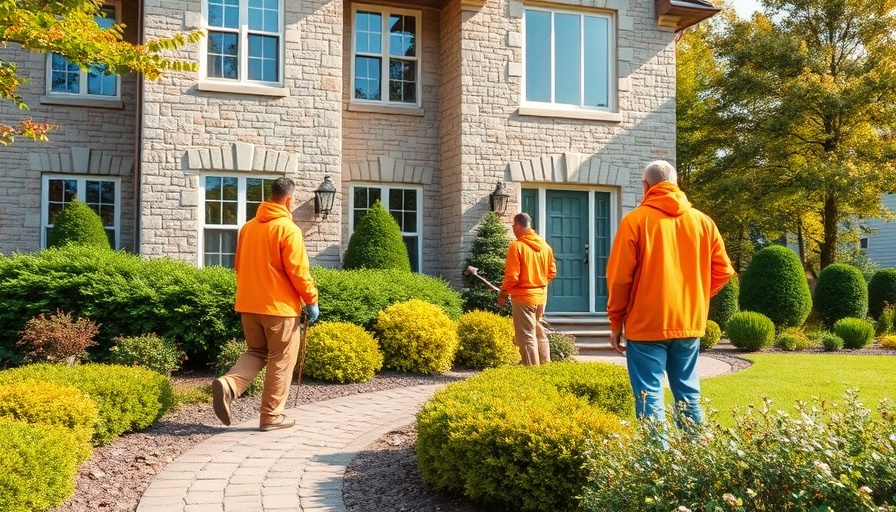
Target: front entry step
591,330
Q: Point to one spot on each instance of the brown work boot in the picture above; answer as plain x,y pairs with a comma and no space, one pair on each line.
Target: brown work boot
222,396
277,425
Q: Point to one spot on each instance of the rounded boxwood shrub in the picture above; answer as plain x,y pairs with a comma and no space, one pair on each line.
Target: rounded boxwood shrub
881,291
377,243
775,285
341,352
416,337
78,224
228,356
856,332
563,346
724,304
486,340
39,466
841,292
149,351
488,253
534,425
712,336
128,398
749,330
831,342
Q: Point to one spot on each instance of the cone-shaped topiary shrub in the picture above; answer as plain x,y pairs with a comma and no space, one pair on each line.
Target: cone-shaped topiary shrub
377,243
881,291
488,253
78,224
775,285
749,330
841,292
341,352
856,332
712,336
416,337
724,304
486,340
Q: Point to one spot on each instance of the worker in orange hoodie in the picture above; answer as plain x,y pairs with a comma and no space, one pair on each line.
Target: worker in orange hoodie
667,260
530,267
273,280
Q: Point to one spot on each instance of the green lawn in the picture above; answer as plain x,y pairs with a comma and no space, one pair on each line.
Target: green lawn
787,378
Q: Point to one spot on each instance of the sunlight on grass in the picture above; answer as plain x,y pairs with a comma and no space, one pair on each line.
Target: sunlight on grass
187,394
787,378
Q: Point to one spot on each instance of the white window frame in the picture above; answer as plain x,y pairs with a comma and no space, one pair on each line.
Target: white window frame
241,207
384,199
384,56
543,108
81,180
211,83
82,82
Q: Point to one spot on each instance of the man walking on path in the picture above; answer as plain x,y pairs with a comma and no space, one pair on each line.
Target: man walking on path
273,280
530,267
667,260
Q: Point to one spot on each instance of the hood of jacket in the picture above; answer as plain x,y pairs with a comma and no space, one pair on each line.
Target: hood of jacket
667,198
530,238
269,210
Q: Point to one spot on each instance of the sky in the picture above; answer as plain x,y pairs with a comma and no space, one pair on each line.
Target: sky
745,8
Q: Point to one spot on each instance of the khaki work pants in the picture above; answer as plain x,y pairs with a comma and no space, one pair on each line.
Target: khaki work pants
273,343
529,335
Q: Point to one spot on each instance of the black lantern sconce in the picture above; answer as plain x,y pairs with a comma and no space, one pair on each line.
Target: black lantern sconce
324,197
497,200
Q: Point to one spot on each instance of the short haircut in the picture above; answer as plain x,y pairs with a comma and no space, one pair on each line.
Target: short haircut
523,220
282,188
659,170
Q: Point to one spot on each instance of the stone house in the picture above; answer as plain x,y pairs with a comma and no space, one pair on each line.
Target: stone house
425,105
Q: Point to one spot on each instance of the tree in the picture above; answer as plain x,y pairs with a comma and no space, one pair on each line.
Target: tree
377,243
68,28
488,254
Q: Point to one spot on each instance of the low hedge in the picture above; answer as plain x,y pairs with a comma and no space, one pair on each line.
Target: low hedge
517,437
486,340
416,337
341,352
856,332
127,398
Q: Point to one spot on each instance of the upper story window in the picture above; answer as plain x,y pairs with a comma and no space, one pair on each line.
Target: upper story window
244,41
65,78
404,203
103,195
569,60
386,56
227,202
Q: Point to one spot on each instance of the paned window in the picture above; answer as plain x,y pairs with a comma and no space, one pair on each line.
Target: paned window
405,206
568,59
102,195
386,65
228,202
65,78
244,41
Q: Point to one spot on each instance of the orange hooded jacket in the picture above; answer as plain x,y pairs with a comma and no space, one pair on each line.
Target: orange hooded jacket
667,260
273,276
530,267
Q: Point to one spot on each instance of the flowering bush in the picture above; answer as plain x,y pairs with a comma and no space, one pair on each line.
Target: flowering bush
888,341
57,338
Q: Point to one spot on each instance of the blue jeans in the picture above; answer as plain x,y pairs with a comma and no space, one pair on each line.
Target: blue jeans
646,363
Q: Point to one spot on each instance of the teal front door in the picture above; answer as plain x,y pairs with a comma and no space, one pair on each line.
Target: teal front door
566,224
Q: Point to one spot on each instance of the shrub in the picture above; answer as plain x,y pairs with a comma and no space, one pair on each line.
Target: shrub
831,342
841,292
749,330
376,243
57,338
341,352
724,304
357,296
149,351
881,291
775,285
228,356
793,339
488,253
888,341
128,398
886,320
530,424
39,466
712,336
78,224
856,332
416,337
563,346
43,403
485,340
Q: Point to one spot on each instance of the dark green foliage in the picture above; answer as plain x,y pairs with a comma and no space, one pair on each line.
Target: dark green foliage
376,243
841,292
128,398
357,296
856,332
563,346
488,253
831,342
532,426
712,336
881,291
78,224
148,351
724,304
228,356
775,285
749,330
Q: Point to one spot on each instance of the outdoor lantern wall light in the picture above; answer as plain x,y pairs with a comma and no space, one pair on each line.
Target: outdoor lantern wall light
497,200
324,197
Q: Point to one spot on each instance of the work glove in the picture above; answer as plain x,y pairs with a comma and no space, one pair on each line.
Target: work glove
312,311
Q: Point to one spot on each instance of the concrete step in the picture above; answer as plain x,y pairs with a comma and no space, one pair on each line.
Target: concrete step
591,330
